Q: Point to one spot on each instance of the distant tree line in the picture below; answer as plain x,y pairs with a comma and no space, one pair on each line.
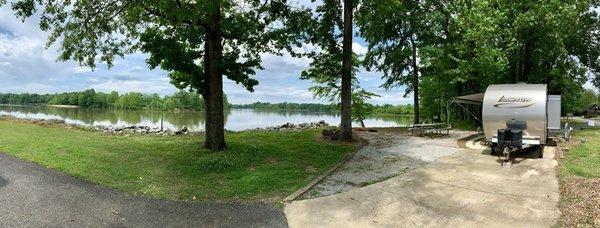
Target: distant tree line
181,100
316,107
394,109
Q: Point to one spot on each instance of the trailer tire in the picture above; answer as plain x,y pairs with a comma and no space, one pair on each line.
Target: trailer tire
494,149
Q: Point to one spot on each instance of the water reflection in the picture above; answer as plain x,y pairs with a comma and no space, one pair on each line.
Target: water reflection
235,119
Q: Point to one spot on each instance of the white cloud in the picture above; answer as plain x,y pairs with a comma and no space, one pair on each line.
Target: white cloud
19,46
359,49
80,69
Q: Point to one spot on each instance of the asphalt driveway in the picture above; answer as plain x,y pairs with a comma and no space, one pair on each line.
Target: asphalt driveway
34,196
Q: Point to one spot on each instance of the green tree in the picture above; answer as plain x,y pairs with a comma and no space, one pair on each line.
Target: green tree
360,108
464,46
397,33
327,85
197,42
334,20
155,102
87,98
587,98
112,98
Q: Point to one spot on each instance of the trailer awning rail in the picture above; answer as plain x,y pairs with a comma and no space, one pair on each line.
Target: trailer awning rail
475,99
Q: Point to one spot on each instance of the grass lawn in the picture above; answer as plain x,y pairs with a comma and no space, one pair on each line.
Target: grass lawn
580,181
584,159
262,165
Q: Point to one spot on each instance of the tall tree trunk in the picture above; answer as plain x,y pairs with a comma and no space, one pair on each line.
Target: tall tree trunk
346,125
213,98
415,83
513,67
527,60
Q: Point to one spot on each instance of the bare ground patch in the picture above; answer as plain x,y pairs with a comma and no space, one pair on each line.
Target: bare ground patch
580,203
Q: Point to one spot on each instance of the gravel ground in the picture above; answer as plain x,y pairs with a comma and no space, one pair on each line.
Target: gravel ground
389,153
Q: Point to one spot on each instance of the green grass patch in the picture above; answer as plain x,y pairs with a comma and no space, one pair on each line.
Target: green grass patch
584,159
467,125
572,121
259,165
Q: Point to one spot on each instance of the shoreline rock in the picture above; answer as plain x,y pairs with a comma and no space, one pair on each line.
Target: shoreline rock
145,130
300,126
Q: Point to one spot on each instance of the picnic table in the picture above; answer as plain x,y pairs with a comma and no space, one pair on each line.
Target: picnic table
422,129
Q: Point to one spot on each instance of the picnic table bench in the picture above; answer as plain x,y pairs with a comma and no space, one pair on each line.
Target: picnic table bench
436,128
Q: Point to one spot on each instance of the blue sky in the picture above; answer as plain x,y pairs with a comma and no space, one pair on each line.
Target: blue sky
27,66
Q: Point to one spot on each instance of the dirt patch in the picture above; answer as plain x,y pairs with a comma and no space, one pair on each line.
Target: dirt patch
310,169
580,202
272,160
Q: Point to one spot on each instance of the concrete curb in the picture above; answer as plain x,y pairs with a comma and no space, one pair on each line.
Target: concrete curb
472,143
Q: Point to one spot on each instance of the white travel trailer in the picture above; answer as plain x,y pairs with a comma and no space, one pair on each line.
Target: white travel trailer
516,116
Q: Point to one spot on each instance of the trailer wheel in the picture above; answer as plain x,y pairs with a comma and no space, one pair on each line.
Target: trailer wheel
494,149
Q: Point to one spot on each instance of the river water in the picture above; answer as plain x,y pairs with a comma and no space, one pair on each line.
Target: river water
235,119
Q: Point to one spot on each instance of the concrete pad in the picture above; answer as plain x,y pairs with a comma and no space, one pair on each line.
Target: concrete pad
549,152
475,143
388,154
466,189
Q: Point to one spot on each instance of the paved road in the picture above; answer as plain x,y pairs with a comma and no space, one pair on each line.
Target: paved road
33,196
466,189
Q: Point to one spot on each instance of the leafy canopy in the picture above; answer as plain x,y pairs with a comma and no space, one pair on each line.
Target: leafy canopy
171,31
393,30
466,45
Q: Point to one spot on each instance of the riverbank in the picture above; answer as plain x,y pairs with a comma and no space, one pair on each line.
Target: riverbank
63,106
258,166
579,180
127,130
235,119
